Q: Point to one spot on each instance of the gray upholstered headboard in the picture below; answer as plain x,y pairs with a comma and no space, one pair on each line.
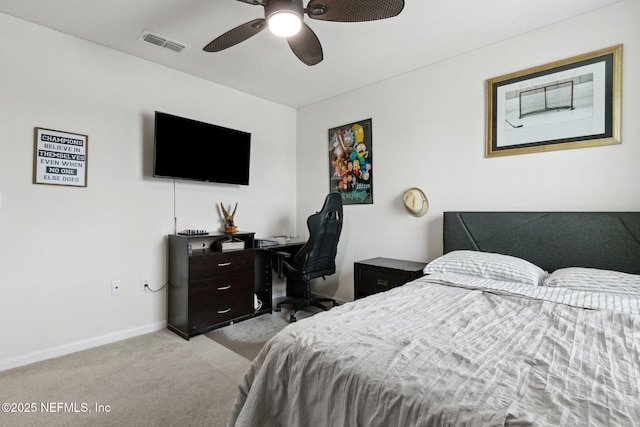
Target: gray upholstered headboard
551,240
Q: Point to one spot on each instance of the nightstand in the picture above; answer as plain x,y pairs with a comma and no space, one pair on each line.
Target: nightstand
381,274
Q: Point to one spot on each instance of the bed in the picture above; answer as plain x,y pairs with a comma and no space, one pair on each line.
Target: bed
528,318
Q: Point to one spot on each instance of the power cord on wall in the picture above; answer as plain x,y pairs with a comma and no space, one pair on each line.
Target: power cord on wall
147,288
175,218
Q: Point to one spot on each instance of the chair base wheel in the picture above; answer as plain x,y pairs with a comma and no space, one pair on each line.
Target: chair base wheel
301,303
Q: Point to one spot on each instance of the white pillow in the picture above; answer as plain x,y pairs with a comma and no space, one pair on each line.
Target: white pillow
489,266
593,279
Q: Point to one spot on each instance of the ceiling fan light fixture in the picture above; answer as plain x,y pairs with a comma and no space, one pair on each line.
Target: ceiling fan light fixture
300,37
284,17
284,23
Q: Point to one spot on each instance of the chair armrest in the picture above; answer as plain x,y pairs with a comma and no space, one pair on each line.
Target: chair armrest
281,254
280,262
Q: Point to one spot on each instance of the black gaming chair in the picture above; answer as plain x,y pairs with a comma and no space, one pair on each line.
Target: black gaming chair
315,259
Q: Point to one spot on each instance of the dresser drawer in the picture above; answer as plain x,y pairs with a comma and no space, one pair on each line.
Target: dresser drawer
221,287
210,313
215,264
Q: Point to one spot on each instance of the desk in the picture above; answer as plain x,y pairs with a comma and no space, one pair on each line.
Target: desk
289,243
290,246
274,261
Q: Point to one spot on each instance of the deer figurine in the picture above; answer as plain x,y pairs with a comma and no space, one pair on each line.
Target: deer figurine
229,226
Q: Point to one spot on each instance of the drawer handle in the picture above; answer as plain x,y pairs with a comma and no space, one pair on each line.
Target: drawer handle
224,288
383,282
224,311
224,264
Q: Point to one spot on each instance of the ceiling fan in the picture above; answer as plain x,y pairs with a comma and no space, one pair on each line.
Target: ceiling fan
288,14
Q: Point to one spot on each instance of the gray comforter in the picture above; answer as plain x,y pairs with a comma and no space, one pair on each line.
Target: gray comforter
427,354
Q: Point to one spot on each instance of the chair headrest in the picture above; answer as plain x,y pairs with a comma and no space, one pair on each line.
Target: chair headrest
333,202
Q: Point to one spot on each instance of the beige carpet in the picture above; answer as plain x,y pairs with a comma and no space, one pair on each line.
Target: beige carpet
157,379
246,338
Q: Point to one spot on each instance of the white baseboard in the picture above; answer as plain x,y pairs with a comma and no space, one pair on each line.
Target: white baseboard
80,345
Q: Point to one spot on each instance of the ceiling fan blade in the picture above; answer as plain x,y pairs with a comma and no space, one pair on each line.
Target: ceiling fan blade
306,46
353,10
236,35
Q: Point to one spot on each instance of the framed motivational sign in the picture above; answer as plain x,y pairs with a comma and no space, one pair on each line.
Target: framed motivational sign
60,158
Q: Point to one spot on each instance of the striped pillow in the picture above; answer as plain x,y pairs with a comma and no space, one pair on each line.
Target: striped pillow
489,266
596,280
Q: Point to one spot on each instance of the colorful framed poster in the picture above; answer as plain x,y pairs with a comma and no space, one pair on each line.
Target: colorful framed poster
351,162
60,158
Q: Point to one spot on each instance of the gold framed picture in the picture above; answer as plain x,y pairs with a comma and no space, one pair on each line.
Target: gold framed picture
572,103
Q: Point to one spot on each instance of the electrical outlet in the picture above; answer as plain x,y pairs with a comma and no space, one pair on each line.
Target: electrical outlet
116,287
144,282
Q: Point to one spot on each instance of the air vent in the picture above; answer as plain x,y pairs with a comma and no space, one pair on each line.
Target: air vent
162,41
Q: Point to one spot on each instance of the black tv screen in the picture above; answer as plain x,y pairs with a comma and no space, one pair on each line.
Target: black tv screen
189,149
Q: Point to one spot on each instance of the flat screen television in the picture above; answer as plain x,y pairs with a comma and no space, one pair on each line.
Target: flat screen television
193,150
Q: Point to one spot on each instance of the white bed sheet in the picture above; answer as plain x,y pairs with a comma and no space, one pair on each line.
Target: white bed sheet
428,354
595,298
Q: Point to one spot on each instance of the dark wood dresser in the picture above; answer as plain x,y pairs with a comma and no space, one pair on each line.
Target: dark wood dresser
381,274
210,288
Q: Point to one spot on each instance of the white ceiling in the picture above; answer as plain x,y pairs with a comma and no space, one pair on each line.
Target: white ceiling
355,54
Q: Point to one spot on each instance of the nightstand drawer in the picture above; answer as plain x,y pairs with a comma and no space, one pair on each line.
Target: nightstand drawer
381,274
374,281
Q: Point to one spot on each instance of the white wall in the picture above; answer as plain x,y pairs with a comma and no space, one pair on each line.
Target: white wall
61,247
429,132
